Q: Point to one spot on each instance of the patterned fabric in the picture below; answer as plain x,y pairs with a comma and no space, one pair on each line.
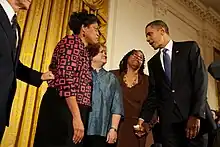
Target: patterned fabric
106,100
71,67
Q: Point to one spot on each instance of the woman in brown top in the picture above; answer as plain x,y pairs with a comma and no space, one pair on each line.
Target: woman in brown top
134,85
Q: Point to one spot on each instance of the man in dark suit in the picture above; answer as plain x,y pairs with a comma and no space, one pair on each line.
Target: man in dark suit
177,89
10,65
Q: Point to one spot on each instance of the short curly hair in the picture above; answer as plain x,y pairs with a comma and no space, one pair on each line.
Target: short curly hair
77,19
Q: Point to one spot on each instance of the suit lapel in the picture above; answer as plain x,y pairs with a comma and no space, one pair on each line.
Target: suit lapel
175,53
158,62
6,25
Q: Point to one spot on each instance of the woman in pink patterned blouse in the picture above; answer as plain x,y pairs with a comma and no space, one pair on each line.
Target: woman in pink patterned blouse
65,106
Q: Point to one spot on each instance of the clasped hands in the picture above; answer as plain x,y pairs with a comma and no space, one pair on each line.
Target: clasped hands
192,128
141,129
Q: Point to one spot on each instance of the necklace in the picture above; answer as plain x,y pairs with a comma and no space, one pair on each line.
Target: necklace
128,83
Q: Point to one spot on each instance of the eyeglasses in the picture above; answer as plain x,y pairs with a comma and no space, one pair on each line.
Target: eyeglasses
136,56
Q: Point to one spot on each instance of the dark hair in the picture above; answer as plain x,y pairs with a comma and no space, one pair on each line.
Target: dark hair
94,49
124,62
159,23
77,19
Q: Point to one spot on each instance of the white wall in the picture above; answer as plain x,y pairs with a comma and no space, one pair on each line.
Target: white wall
128,18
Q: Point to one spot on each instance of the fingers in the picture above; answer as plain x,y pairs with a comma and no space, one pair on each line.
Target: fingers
78,135
108,138
193,127
47,76
192,132
140,134
111,139
189,133
136,127
139,130
51,76
143,129
146,127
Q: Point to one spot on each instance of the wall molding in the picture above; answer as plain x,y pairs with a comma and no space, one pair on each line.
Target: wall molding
204,13
212,41
161,8
142,3
199,10
184,18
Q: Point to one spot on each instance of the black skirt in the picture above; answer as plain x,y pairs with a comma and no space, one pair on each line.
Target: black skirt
54,126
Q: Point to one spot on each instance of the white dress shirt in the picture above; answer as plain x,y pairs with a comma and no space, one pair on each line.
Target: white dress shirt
8,9
169,46
10,13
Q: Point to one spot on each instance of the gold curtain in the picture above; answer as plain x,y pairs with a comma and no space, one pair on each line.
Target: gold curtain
42,27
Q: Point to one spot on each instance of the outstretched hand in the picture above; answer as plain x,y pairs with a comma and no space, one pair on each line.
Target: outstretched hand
47,76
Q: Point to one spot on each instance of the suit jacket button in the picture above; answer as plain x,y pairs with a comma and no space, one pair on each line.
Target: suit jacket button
173,91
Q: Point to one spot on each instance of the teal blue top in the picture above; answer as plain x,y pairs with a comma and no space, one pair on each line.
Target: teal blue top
106,100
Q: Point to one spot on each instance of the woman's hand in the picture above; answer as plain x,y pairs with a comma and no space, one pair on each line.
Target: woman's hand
78,128
112,136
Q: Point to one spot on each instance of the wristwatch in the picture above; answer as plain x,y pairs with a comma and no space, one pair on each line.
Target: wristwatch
113,128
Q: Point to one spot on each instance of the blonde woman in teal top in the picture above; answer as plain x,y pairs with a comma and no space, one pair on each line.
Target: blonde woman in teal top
107,107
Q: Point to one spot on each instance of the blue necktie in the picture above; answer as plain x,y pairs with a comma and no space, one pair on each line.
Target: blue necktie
167,63
14,29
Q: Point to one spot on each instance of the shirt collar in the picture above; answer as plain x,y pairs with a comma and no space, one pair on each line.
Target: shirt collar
8,9
169,46
100,70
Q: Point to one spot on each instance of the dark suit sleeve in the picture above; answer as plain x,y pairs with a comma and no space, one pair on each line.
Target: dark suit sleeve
28,75
200,82
150,103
